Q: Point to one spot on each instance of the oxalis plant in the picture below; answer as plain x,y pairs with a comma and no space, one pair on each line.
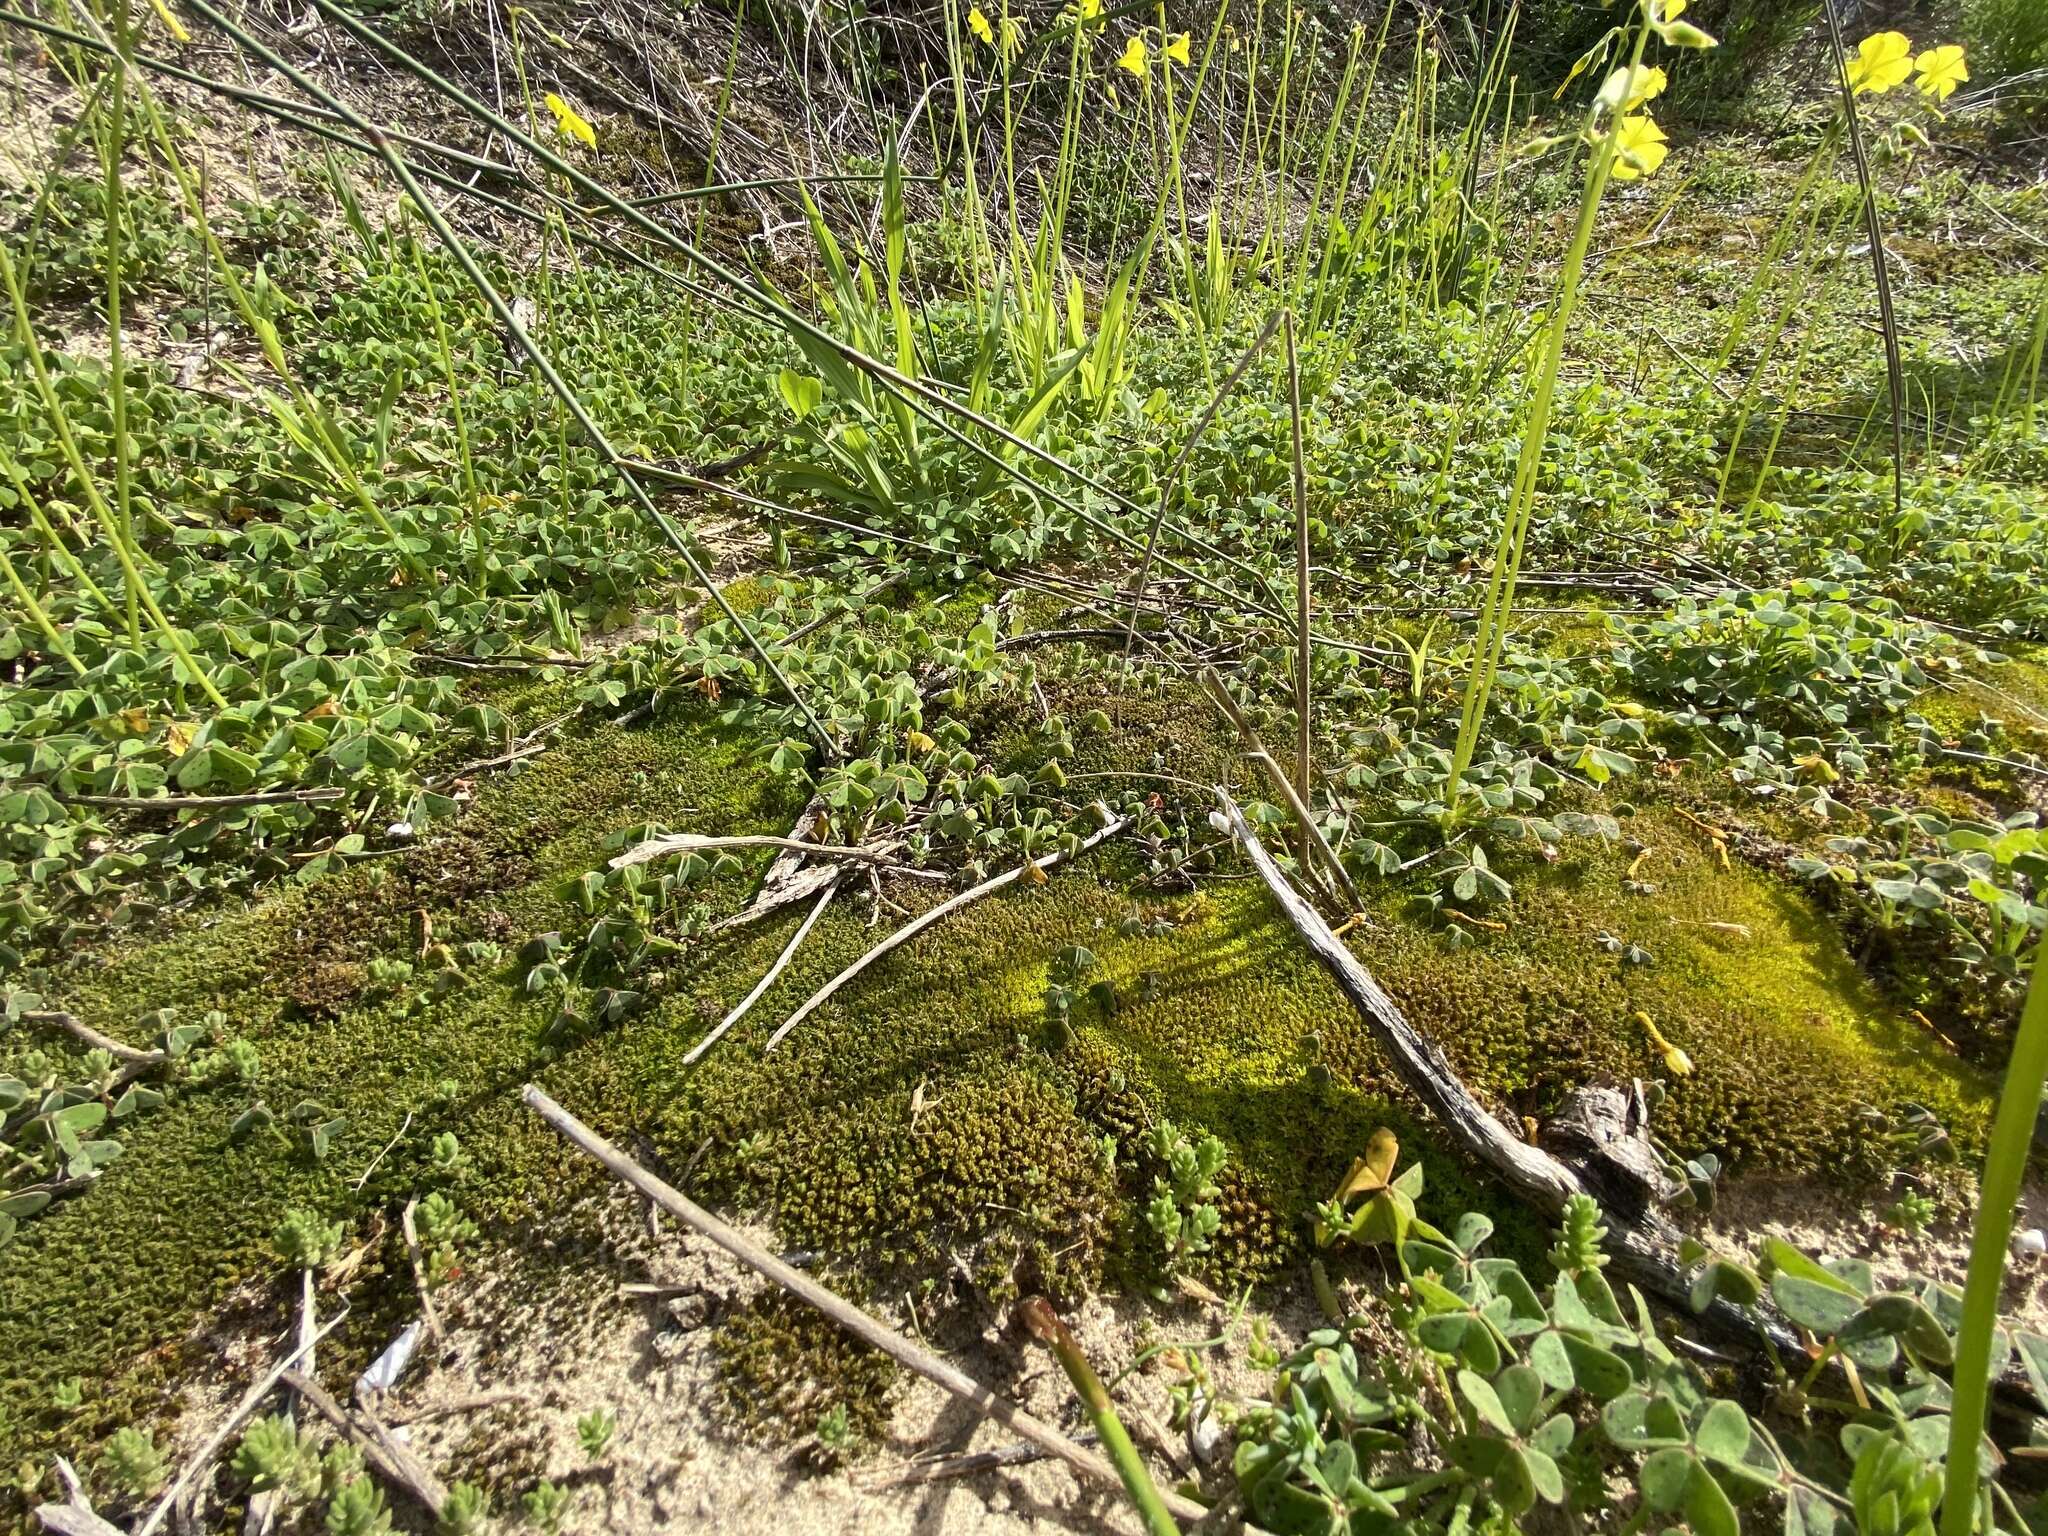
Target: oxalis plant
1504,1393
1626,144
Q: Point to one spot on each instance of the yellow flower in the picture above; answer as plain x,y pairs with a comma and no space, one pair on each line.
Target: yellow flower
1941,71
1135,56
978,25
1882,60
1091,12
1640,149
1177,50
1670,10
570,122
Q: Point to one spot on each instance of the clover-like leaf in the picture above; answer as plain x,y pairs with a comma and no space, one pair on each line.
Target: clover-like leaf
1723,1434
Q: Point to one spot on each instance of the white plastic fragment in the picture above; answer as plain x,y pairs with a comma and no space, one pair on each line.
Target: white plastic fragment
385,1370
1207,1439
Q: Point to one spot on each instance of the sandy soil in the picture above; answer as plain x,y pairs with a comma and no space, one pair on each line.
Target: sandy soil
559,1333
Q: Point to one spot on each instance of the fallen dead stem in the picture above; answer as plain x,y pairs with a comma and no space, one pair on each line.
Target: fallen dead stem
1644,1240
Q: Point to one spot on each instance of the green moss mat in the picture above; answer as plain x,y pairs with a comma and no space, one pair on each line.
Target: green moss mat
931,1110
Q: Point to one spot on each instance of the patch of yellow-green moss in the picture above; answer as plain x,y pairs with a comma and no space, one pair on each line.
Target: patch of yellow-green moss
932,1111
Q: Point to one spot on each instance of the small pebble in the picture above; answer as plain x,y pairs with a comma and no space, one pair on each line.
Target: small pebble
2032,1243
399,832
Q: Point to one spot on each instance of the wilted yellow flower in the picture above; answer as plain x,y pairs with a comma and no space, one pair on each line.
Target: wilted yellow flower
177,28
1664,22
978,25
1135,57
1640,149
1941,70
1013,37
917,741
570,122
1177,50
1882,60
1675,1061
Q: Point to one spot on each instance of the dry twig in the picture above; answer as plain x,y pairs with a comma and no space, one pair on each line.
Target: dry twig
837,1308
917,925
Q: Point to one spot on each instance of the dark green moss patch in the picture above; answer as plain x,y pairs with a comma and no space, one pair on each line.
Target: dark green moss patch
786,1371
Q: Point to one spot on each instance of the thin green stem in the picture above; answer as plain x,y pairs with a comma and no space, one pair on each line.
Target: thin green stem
36,613
1046,1326
1500,589
113,150
2005,1167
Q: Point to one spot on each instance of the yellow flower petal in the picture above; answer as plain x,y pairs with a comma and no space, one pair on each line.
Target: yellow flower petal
1626,89
1135,57
1177,49
978,25
570,122
1882,60
1640,149
1013,37
1091,11
1941,70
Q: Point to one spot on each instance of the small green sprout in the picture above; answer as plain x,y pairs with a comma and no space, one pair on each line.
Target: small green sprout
1912,1213
545,1506
1579,1236
357,1509
466,1513
274,1455
304,1241
132,1464
835,1429
449,1160
341,1465
594,1432
1182,1209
